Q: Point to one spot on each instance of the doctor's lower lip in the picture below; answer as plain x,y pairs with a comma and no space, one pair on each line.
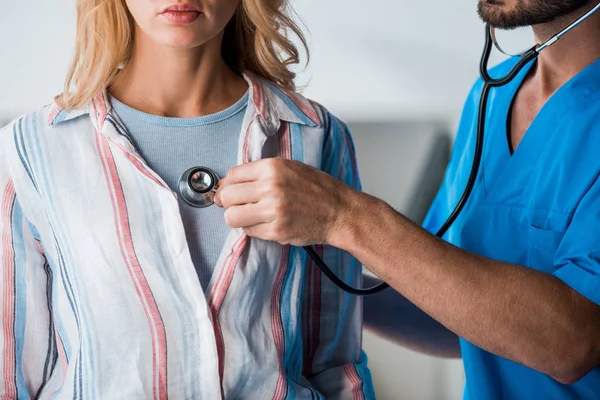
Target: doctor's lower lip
181,17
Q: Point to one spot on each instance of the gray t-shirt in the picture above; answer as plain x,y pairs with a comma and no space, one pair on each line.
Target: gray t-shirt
172,145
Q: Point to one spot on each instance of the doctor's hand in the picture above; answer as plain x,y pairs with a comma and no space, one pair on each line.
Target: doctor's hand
287,202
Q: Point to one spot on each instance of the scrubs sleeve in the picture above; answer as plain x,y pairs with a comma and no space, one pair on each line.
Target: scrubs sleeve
578,256
457,172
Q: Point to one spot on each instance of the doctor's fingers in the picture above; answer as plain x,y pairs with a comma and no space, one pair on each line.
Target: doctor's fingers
239,194
285,233
269,190
242,216
255,170
263,232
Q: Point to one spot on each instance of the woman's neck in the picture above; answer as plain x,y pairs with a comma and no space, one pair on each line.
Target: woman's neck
177,83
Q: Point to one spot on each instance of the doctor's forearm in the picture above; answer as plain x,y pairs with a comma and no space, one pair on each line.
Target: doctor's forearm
390,315
515,312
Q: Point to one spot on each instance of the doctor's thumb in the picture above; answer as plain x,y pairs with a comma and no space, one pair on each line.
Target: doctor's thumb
217,198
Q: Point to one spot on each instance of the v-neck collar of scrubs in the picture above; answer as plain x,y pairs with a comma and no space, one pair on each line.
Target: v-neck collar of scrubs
498,164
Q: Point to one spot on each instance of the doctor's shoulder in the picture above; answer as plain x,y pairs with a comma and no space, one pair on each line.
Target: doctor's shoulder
582,122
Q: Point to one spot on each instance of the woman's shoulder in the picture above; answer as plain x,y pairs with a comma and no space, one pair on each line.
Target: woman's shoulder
46,118
21,129
11,133
16,139
15,150
50,120
44,130
327,120
275,102
21,150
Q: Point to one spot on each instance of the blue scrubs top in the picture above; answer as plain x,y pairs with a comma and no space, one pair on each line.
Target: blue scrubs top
538,207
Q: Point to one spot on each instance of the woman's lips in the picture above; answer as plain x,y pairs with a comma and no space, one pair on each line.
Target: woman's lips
181,17
181,14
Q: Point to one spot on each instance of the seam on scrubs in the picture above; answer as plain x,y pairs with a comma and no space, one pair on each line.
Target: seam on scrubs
591,91
544,239
482,169
504,205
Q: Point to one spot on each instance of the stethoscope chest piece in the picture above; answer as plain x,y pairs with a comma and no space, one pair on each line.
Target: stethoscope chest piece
198,186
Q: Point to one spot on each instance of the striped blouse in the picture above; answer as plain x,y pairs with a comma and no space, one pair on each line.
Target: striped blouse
100,299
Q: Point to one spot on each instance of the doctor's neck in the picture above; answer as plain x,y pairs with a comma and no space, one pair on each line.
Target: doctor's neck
572,53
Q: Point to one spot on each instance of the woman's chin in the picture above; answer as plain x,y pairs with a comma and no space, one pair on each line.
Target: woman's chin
182,40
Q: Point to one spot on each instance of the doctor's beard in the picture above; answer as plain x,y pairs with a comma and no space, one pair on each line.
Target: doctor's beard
512,14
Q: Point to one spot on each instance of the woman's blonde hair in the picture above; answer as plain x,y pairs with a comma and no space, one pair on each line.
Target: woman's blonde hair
256,40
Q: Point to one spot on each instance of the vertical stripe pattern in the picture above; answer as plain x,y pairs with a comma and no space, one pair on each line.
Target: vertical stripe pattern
218,295
8,297
356,381
101,298
223,282
123,231
277,324
312,313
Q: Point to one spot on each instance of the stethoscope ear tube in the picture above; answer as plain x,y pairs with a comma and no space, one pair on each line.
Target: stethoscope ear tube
526,58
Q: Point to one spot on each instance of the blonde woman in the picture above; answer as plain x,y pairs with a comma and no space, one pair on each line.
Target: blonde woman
115,288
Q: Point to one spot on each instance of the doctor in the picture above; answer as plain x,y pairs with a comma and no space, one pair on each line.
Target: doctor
517,277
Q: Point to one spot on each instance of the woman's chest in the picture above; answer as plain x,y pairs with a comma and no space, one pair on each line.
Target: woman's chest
112,226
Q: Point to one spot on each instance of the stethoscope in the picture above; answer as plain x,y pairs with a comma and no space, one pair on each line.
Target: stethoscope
199,185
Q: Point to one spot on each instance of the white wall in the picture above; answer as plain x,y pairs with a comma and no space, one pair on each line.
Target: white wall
36,39
395,58
370,59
